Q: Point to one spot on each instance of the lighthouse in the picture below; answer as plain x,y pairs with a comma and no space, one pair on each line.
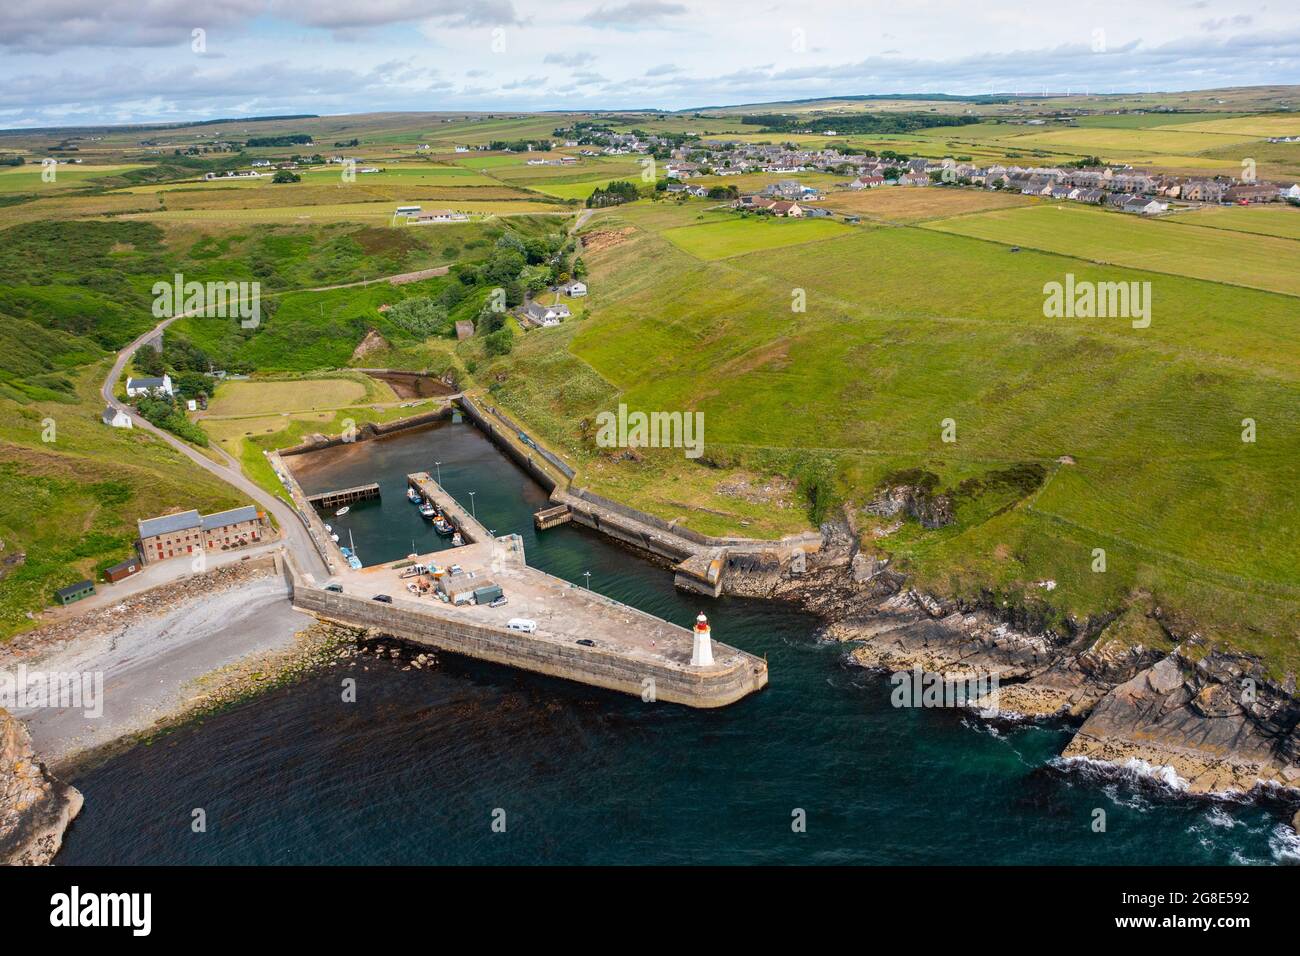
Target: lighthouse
702,651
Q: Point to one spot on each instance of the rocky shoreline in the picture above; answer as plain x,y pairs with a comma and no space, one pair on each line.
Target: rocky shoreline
1206,721
35,807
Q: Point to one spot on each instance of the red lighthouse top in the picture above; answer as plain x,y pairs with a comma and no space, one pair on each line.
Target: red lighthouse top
701,622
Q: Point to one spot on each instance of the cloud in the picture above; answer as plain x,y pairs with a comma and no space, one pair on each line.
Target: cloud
634,14
53,26
1240,20
663,69
576,58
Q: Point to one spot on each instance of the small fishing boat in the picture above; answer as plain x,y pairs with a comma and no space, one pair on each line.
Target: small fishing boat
443,526
354,562
413,496
429,511
342,511
457,540
347,552
334,537
328,528
351,552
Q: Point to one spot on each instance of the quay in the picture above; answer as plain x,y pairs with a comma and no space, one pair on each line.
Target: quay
470,528
344,496
580,635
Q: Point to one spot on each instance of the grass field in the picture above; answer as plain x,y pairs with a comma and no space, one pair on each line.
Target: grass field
342,212
737,236
1261,262
272,397
1273,220
908,327
915,205
28,179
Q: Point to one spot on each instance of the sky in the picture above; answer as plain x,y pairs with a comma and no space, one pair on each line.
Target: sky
92,62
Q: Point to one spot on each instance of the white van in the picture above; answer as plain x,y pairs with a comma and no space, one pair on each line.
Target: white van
522,624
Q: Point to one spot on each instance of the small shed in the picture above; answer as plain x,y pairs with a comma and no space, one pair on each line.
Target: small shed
487,593
75,592
123,569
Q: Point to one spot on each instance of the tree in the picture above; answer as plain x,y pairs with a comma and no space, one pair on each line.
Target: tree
420,317
286,176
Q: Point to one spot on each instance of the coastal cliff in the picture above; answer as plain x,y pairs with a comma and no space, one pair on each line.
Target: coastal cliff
35,808
1150,699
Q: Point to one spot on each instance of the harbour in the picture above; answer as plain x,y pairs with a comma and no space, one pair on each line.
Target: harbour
411,771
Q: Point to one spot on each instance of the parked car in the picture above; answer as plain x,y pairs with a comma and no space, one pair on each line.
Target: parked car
586,642
499,602
522,624
382,599
336,588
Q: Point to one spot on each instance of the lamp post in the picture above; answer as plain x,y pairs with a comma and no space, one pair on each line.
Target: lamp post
587,575
471,504
438,465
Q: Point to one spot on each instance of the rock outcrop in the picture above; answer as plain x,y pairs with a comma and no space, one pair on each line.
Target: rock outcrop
35,808
1147,697
1218,723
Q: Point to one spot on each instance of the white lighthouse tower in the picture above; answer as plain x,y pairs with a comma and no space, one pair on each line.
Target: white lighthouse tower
702,651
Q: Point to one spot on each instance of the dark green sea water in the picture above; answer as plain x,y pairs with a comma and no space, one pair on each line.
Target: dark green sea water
414,770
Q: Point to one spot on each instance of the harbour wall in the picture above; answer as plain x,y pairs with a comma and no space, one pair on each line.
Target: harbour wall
717,686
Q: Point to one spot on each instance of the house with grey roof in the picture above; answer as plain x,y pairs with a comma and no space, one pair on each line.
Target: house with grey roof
546,315
115,417
188,532
149,386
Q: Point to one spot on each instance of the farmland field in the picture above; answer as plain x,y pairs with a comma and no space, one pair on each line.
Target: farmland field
341,212
908,327
28,178
1262,262
719,240
914,205
1281,221
271,397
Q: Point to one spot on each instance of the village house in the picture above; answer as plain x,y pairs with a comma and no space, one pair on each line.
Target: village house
546,315
1251,193
1290,192
867,182
116,418
149,386
575,289
438,215
1145,206
1203,190
169,536
786,209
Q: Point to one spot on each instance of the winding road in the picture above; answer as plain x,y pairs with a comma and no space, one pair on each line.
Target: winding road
296,538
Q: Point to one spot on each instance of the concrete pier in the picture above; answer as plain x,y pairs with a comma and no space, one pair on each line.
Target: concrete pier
470,528
344,496
580,635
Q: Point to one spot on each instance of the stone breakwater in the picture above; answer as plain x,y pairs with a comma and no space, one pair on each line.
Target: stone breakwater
1143,694
35,807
